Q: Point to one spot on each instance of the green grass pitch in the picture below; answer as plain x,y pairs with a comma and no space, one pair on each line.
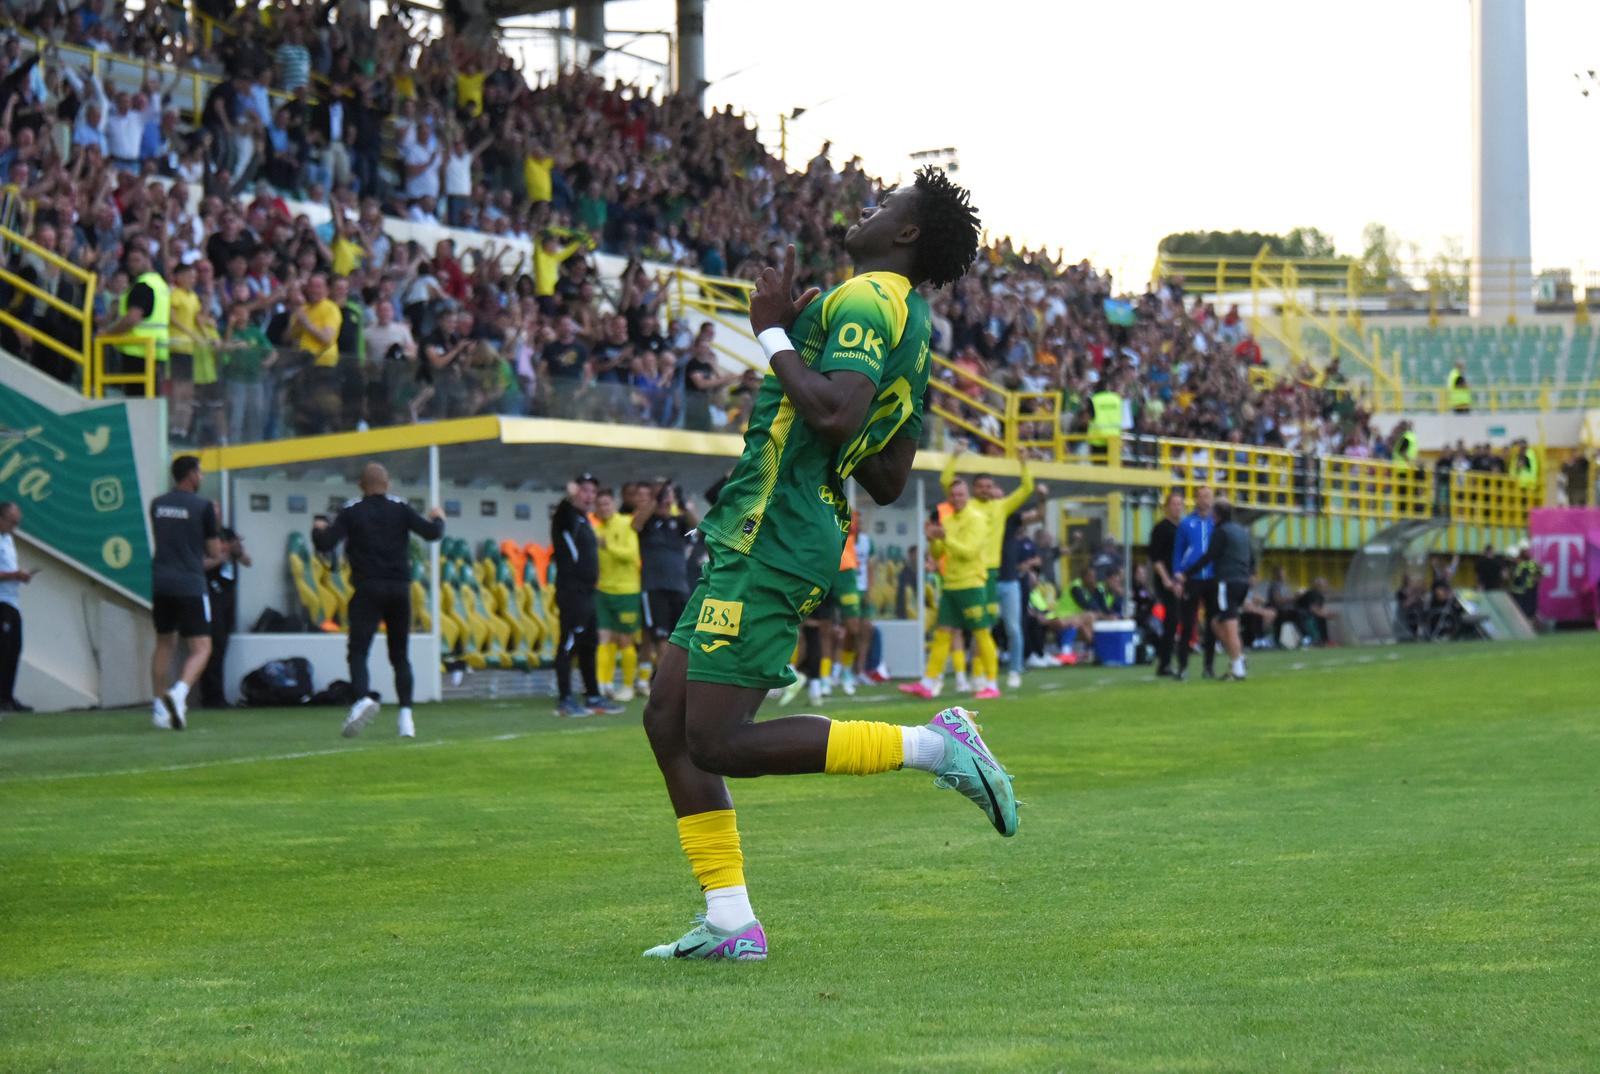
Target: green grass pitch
1382,860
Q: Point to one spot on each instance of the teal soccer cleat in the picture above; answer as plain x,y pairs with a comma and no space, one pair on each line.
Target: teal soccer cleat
705,940
970,768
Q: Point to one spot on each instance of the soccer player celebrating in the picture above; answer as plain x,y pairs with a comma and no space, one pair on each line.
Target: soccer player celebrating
962,541
987,499
617,605
844,399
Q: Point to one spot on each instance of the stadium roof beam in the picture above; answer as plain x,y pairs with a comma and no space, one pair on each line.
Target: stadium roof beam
512,451
690,59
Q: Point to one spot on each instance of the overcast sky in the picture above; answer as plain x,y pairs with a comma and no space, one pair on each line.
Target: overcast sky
1101,126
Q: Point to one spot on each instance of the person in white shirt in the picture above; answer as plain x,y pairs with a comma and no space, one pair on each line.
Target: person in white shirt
458,178
124,129
423,162
12,579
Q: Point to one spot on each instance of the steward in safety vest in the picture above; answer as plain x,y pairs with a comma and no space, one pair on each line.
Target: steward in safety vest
1525,575
1525,465
1460,395
1405,445
146,312
1105,424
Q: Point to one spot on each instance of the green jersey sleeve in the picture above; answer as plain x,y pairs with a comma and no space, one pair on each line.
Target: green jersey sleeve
862,321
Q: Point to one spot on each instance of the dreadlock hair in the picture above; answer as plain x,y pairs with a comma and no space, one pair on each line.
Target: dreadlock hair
949,227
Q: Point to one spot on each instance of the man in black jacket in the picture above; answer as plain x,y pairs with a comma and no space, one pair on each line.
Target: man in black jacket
377,532
1233,558
1163,536
577,561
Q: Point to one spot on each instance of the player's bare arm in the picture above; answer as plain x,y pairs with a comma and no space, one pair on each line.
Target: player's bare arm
884,475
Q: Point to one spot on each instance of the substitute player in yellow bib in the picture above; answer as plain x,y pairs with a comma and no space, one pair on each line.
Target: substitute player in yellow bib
617,607
843,399
961,541
998,508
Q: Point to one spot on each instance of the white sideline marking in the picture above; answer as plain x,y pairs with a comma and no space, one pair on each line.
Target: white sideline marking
271,757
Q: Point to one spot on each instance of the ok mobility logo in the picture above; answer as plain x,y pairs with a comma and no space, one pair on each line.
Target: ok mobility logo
719,617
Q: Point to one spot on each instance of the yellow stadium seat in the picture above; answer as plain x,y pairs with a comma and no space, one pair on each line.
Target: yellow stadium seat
310,600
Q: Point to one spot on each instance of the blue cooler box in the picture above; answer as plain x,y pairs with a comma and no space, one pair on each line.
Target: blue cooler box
1116,642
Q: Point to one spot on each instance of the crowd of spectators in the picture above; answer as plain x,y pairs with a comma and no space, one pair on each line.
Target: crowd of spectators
1026,322
279,326
283,326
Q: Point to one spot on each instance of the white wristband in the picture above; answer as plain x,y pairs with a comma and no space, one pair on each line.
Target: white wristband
773,341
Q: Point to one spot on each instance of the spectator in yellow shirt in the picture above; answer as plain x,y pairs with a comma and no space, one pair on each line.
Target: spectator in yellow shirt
537,168
314,327
549,255
183,306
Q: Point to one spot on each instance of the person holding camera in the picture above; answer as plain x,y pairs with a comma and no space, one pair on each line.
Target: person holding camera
663,529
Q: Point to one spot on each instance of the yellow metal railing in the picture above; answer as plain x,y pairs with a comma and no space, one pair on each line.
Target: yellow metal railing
1485,499
967,398
101,376
1262,478
1287,297
196,85
1248,476
1491,400
1372,489
26,292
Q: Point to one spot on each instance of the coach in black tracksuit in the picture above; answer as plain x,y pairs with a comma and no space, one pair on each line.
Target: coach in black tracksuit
577,561
377,532
1163,538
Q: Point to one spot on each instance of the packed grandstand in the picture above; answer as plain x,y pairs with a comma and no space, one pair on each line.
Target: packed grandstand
280,326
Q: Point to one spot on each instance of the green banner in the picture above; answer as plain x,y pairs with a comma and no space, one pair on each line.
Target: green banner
74,477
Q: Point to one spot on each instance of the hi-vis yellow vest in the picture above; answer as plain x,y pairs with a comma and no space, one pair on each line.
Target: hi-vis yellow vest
1107,423
1460,394
154,326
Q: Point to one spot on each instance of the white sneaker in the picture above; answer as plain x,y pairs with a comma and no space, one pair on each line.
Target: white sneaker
962,685
177,706
360,713
1013,680
158,715
849,687
407,728
817,691
642,687
825,685
623,695
456,676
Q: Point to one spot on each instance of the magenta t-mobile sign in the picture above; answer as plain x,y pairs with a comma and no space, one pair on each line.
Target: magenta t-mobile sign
1566,545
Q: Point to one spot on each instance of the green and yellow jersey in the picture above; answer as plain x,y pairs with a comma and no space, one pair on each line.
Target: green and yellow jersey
784,505
619,555
966,536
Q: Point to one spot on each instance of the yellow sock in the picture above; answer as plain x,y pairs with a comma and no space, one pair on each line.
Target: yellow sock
827,667
630,664
847,659
711,841
986,662
605,662
959,658
863,748
938,653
